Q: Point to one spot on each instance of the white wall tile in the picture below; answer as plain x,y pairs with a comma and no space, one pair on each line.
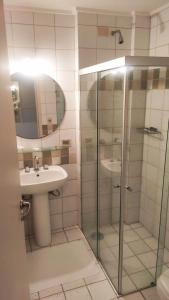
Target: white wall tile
69,219
123,21
65,38
142,38
65,60
87,19
106,20
20,17
62,20
23,35
44,37
44,19
87,57
87,36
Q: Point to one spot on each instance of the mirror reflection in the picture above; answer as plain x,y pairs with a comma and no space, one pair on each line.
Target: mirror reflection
39,105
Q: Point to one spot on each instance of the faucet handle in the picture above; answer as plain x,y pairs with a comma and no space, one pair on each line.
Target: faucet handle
27,169
46,167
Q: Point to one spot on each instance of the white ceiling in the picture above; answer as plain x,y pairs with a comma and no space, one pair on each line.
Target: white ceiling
114,5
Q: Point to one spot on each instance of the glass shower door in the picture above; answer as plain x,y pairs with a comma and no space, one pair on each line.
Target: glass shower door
110,130
89,173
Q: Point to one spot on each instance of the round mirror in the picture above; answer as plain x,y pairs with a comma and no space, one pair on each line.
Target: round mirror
39,105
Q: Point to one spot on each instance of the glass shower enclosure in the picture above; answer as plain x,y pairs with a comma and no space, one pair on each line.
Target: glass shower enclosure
123,142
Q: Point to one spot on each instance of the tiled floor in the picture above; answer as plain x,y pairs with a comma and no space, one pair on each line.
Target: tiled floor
138,247
139,256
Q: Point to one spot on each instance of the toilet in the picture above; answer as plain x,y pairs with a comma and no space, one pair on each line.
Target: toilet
163,286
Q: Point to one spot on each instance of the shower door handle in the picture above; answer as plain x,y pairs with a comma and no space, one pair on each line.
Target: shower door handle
25,207
117,186
128,188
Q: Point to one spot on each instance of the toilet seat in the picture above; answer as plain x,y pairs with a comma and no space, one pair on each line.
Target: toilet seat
163,285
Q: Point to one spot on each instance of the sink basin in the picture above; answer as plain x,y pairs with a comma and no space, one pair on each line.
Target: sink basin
38,184
42,181
111,166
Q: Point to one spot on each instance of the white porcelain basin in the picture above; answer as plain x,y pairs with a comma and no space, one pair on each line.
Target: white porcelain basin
39,184
42,181
113,166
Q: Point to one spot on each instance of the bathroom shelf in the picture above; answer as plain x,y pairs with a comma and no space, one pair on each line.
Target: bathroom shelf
151,131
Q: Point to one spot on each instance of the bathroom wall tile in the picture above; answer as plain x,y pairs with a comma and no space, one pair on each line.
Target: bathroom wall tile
70,219
44,19
44,37
58,238
22,18
87,57
74,234
105,55
8,17
9,34
143,21
23,35
56,206
65,38
87,19
56,221
69,203
87,36
65,60
62,20
142,38
123,21
106,20
106,42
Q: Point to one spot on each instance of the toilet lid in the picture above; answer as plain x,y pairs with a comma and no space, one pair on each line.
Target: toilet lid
163,281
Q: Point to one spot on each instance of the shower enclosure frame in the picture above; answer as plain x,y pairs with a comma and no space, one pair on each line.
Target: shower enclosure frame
124,62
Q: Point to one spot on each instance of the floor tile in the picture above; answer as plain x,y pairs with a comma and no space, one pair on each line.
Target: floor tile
128,285
73,285
101,290
148,259
126,251
28,247
135,296
74,234
33,244
111,239
50,291
166,256
60,296
151,242
78,294
96,277
136,225
130,236
58,238
143,232
133,265
142,279
139,247
151,294
107,229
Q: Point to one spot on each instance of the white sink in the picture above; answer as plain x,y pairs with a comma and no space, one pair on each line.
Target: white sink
112,166
38,184
42,181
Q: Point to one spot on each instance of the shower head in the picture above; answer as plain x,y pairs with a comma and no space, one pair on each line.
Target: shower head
121,40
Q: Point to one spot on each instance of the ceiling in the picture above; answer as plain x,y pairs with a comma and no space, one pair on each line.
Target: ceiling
113,5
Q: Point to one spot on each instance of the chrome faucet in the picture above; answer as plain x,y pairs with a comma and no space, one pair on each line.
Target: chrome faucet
36,163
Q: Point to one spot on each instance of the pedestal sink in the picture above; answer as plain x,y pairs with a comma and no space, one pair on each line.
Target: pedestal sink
39,184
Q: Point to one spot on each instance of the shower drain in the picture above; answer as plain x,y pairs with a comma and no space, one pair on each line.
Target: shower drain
99,236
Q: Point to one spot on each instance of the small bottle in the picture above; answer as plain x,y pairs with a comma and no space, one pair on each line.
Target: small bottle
50,126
